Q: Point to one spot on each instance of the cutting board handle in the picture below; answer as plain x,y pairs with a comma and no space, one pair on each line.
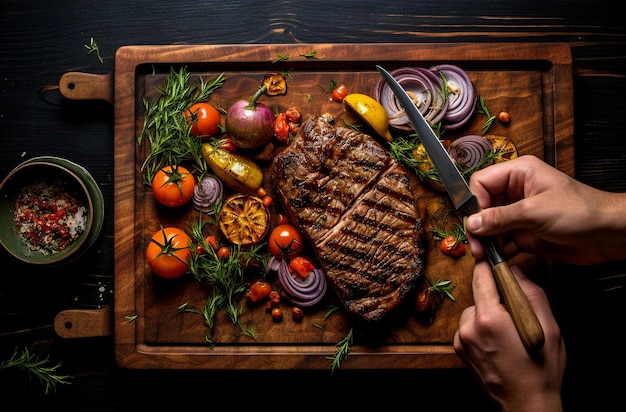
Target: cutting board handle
87,86
81,323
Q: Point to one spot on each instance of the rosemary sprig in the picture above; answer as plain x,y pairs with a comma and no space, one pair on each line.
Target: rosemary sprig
342,349
402,150
40,368
484,110
225,277
280,58
92,47
165,126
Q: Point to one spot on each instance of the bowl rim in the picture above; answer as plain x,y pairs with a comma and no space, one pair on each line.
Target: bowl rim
76,246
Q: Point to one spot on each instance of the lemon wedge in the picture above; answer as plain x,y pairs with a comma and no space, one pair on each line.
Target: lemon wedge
371,112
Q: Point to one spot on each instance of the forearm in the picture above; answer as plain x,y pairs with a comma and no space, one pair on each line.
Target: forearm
612,218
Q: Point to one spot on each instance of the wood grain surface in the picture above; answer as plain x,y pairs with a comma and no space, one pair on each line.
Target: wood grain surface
538,94
41,41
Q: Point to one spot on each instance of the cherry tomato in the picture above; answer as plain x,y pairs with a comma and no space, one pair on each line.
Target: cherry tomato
297,313
285,241
282,219
452,246
211,241
258,290
293,114
204,119
168,251
281,128
274,298
424,303
301,265
223,253
227,144
504,116
173,186
261,192
339,93
267,201
277,314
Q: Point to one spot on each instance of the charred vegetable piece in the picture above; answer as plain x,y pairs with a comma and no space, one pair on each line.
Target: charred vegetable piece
275,83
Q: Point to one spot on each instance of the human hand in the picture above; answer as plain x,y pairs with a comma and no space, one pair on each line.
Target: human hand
546,212
489,344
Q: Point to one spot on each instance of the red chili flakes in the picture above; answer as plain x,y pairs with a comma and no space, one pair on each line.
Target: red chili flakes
48,218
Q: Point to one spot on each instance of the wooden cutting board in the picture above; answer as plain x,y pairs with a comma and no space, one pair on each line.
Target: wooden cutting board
533,82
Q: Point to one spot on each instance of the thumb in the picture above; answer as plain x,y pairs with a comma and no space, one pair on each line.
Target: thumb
495,220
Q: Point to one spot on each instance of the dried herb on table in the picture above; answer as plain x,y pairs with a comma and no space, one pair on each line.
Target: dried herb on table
37,367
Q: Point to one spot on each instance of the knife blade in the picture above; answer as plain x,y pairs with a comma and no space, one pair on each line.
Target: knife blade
516,302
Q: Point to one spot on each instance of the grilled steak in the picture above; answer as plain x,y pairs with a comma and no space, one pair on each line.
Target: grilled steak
356,206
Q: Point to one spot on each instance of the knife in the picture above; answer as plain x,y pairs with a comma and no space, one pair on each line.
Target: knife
516,302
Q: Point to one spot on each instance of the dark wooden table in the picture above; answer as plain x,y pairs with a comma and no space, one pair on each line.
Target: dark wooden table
39,41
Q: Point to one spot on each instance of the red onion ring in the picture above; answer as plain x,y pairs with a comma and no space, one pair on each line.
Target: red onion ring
461,95
423,85
206,193
469,151
303,292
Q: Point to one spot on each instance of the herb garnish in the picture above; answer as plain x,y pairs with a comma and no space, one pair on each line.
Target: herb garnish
166,128
40,368
342,349
92,47
484,110
225,277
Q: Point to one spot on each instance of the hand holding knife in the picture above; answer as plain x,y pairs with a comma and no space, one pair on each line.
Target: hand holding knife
516,302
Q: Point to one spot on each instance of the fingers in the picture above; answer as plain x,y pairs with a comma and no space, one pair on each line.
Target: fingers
484,287
495,220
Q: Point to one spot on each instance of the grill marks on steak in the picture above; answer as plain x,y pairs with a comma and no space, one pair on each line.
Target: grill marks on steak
356,206
322,171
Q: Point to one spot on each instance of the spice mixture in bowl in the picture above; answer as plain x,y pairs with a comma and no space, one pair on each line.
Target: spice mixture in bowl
46,212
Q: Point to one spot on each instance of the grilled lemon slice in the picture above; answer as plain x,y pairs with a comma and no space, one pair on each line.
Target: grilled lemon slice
244,220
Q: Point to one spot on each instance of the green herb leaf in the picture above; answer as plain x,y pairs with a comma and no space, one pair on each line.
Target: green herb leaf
342,350
166,128
40,368
92,47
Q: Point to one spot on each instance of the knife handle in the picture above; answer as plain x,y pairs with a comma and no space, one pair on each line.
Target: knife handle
524,317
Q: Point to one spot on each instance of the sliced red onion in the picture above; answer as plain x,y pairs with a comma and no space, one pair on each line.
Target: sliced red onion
461,95
207,193
424,87
272,265
303,292
469,151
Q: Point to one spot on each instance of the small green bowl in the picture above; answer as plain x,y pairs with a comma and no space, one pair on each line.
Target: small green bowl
47,169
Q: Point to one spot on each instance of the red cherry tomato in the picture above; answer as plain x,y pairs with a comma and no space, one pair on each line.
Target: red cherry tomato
223,253
168,251
258,290
293,114
452,246
210,241
424,303
339,93
228,145
282,219
173,186
285,241
204,119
